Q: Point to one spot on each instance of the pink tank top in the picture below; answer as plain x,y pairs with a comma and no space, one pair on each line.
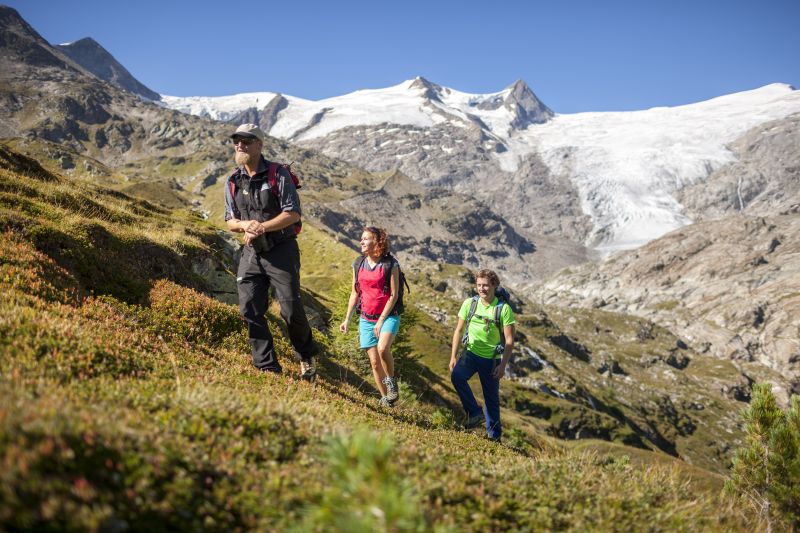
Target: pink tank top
371,282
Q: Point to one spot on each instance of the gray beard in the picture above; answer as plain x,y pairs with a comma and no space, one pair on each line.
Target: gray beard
243,158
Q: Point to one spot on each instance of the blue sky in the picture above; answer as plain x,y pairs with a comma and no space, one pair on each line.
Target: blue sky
575,55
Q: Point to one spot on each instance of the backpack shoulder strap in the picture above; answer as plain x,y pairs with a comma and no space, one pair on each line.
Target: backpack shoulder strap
358,263
473,306
232,181
272,177
388,262
498,311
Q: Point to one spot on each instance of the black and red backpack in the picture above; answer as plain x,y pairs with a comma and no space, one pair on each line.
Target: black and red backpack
272,179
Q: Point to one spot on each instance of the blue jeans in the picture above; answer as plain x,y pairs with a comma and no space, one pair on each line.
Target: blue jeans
466,367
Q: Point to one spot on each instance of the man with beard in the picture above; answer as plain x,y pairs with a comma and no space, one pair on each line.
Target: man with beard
261,201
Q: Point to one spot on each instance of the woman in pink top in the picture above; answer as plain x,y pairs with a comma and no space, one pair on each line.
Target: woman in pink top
378,320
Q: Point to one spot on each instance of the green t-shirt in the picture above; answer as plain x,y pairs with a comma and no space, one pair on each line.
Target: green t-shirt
483,334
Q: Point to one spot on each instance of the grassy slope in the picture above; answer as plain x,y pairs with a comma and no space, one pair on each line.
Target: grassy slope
129,401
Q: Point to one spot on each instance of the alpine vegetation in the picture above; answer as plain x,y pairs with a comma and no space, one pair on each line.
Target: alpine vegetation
766,471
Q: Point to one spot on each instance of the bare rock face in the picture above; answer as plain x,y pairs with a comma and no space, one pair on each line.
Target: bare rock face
90,55
446,160
20,44
266,117
527,108
730,287
763,181
432,223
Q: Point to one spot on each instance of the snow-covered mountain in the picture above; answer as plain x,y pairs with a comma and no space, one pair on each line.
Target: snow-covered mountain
621,169
415,102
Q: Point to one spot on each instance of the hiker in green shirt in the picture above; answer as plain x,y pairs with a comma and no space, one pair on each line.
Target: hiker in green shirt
488,345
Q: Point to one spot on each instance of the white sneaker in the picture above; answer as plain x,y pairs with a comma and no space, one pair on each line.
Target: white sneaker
385,401
308,371
391,388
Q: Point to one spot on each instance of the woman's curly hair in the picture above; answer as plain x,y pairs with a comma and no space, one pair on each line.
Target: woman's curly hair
381,239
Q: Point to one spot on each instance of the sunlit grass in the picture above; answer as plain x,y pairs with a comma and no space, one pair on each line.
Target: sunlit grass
128,401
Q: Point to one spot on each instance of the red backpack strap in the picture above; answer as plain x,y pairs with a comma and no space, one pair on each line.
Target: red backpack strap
231,184
272,177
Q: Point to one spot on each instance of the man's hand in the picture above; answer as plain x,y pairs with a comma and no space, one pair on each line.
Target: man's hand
254,227
499,370
250,237
343,327
377,329
453,362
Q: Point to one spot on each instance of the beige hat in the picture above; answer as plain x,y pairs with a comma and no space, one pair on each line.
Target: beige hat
249,130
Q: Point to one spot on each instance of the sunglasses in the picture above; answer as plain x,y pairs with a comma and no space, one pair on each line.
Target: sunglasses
247,141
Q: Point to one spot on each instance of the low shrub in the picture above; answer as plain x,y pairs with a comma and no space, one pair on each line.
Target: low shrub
443,418
365,490
227,426
186,314
70,471
65,342
31,274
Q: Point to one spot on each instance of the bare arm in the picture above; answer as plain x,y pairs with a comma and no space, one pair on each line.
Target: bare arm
236,225
454,349
253,229
351,303
500,369
282,220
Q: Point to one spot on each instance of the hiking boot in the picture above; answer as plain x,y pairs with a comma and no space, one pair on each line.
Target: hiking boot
391,388
473,422
308,371
385,401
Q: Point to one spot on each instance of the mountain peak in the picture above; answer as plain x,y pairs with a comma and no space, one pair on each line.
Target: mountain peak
89,54
527,108
9,14
519,86
421,83
22,45
86,42
430,90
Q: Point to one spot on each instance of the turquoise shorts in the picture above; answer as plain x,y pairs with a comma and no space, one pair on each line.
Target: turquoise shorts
366,330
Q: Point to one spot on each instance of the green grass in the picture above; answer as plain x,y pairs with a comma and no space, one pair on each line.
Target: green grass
667,305
127,401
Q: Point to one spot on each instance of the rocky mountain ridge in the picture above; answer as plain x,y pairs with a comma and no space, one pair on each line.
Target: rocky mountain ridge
764,178
90,55
620,175
93,119
729,287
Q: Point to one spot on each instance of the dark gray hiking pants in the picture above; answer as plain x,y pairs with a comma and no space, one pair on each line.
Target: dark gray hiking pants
280,268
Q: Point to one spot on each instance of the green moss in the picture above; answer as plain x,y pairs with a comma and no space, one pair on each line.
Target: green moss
667,305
